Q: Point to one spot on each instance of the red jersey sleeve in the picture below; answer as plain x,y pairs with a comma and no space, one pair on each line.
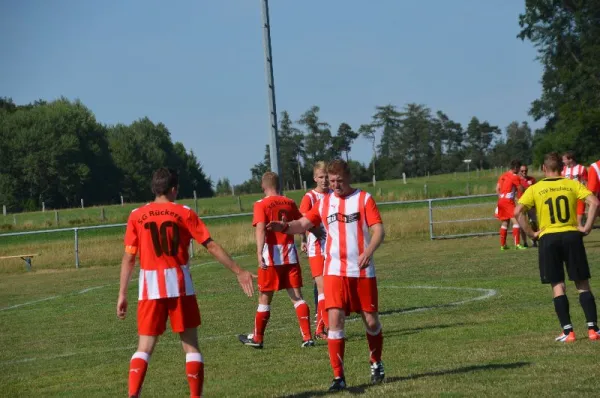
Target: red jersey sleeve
593,182
259,214
131,236
305,204
372,212
197,228
314,216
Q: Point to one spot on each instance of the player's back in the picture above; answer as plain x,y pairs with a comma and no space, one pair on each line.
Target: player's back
556,202
280,246
508,183
163,234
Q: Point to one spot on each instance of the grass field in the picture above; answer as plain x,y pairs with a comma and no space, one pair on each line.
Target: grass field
437,186
460,318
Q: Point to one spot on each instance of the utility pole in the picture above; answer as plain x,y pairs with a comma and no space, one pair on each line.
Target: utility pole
274,144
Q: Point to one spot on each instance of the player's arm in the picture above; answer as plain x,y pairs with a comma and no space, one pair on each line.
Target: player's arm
201,234
292,228
305,206
592,202
244,277
260,234
525,203
373,219
498,188
127,266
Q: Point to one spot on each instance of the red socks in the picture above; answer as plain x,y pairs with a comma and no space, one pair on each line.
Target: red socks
517,234
503,233
263,313
336,345
194,369
137,372
375,340
303,314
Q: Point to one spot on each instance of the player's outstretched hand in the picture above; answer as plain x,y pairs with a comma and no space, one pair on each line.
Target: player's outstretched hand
122,307
275,226
245,280
363,261
304,247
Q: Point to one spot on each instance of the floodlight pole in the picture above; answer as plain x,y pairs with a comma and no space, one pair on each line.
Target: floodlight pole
274,144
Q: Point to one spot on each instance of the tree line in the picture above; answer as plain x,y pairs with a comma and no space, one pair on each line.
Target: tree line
412,140
57,153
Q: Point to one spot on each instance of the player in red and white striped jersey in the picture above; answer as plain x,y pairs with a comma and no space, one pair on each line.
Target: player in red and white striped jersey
278,263
160,233
354,231
576,172
315,247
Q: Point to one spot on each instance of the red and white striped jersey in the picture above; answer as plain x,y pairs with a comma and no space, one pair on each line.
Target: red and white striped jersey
347,221
315,247
577,173
279,248
160,233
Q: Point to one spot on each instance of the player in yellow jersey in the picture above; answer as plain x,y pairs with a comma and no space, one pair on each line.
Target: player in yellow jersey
561,241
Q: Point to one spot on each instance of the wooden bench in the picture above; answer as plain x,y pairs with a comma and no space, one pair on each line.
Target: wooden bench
25,257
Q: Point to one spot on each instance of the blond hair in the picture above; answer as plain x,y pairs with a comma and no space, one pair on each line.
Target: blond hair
271,180
319,166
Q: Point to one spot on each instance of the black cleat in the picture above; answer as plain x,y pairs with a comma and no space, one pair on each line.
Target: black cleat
377,373
248,339
338,384
308,343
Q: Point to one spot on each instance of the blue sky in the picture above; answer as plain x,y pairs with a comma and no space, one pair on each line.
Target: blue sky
198,66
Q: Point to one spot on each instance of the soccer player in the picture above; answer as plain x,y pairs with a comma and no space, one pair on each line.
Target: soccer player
526,182
576,172
349,277
594,179
509,185
314,247
160,233
278,266
561,241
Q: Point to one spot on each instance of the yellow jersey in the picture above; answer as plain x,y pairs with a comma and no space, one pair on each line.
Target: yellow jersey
555,200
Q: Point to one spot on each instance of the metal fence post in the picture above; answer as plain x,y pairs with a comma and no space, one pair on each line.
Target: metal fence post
76,247
429,203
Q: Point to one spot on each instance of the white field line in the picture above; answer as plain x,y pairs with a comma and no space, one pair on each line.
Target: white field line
89,289
487,293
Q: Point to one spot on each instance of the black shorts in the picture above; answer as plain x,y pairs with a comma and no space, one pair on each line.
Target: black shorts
561,248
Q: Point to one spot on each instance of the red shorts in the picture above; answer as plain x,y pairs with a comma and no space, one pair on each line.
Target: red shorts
279,277
505,209
351,294
317,264
182,311
580,207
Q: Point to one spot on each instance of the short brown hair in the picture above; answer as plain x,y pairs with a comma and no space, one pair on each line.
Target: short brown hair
320,165
338,167
271,179
515,164
569,155
553,162
163,180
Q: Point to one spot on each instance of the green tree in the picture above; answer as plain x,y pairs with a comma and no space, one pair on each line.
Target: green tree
567,37
342,142
479,136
